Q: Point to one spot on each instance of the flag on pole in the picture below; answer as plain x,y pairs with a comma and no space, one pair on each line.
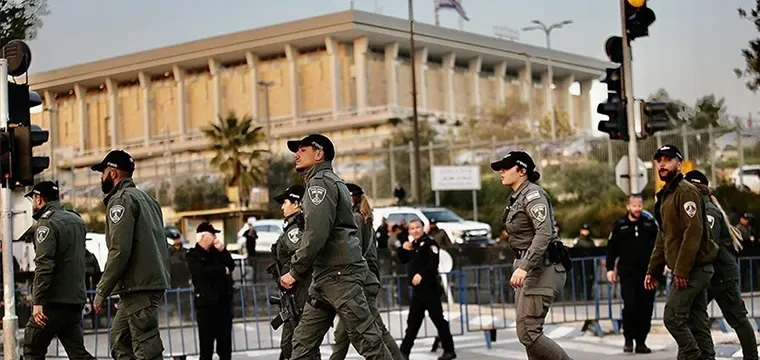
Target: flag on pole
452,4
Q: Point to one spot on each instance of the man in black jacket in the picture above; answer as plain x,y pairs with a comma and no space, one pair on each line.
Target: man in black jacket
210,267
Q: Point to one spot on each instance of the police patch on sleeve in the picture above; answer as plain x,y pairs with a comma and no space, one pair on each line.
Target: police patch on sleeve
293,235
317,194
711,220
538,212
532,196
691,208
42,234
115,213
434,249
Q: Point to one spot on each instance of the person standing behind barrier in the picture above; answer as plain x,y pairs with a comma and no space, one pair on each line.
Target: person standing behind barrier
137,268
58,290
363,218
542,260
684,245
724,286
438,234
632,241
210,267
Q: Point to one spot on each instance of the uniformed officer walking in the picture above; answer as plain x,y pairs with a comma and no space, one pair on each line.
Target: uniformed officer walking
58,290
542,260
724,286
438,234
137,268
333,251
421,255
684,245
363,218
632,241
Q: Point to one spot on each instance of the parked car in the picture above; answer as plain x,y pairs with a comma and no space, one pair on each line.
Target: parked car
750,176
268,231
96,244
459,230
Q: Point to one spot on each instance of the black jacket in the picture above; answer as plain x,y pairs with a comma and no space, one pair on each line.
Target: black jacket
633,243
422,259
208,269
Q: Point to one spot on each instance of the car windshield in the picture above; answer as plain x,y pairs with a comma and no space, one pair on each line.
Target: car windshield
442,216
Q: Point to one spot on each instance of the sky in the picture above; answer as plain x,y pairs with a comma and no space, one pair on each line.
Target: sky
691,51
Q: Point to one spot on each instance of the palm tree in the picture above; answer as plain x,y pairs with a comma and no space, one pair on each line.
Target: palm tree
235,142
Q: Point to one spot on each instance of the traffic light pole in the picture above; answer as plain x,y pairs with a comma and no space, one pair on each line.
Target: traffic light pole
10,320
633,165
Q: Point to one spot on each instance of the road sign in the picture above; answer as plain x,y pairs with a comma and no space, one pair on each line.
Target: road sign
446,178
686,166
622,176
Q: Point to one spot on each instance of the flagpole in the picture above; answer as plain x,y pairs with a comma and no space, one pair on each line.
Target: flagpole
416,181
436,13
461,21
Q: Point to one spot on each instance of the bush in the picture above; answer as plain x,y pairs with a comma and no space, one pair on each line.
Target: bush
202,193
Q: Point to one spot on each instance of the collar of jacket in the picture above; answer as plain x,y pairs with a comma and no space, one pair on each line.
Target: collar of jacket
316,168
291,218
124,183
517,192
52,205
672,184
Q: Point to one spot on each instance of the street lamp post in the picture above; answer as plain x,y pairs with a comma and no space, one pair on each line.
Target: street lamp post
416,178
549,98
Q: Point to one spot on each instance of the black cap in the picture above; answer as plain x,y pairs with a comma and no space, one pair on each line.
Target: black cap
585,227
748,216
696,177
670,151
318,141
206,227
354,189
47,189
293,193
433,221
117,159
514,158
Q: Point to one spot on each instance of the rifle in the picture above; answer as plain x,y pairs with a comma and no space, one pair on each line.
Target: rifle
286,301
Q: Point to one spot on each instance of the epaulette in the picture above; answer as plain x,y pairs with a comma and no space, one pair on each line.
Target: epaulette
46,214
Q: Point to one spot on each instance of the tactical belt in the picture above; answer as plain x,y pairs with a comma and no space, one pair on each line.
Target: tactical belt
519,254
321,305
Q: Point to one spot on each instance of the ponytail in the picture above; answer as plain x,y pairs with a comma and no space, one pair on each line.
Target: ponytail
365,209
534,176
736,236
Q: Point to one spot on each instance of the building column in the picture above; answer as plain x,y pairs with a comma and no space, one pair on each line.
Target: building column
546,84
391,62
253,73
332,50
526,86
360,62
475,65
145,87
449,61
421,57
500,71
213,68
292,55
567,97
179,78
112,88
52,109
586,116
80,93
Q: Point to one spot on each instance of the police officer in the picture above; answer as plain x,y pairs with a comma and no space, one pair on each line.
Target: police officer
286,245
331,253
540,268
632,241
363,218
422,258
684,245
438,234
724,286
58,290
137,268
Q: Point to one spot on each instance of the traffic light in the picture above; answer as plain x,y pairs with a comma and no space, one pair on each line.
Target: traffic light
638,18
614,106
654,117
6,147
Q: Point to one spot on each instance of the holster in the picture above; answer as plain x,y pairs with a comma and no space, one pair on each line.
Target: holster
321,305
558,253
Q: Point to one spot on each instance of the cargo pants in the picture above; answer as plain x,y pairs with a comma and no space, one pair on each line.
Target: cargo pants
64,322
685,316
729,299
134,330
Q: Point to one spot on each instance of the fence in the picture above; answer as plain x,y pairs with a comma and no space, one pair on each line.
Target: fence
477,298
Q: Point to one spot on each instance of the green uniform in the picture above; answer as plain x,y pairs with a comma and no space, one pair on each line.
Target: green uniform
59,282
529,220
684,244
331,247
747,236
371,290
137,270
724,286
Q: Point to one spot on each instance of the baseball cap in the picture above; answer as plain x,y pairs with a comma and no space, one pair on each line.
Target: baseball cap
206,227
670,151
748,216
433,221
293,193
117,159
47,189
318,141
354,189
512,159
696,177
586,227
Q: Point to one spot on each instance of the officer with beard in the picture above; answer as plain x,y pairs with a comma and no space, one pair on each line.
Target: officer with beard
632,240
683,244
137,268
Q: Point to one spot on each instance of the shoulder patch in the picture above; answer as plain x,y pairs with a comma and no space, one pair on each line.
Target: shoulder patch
434,249
538,212
293,235
691,208
115,213
711,220
41,234
533,195
46,214
317,194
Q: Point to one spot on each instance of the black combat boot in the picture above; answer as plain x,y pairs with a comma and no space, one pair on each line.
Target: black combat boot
628,347
450,355
642,348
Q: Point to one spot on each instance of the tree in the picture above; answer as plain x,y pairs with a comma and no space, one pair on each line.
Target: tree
281,175
235,140
562,125
200,193
708,110
751,72
21,19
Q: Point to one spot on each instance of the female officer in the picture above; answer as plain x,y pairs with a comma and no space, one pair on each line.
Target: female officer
284,248
539,273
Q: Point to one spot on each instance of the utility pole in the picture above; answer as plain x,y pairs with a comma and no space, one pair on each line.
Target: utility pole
416,179
633,156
